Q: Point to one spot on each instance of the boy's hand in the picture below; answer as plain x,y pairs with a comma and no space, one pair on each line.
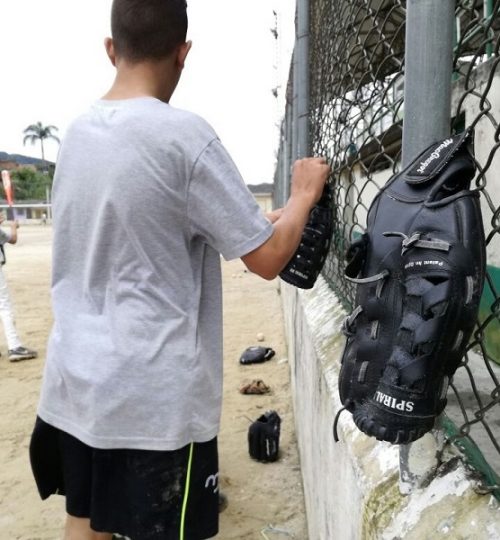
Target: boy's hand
309,176
274,215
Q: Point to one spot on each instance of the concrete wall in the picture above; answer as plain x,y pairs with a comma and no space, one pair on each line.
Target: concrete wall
352,487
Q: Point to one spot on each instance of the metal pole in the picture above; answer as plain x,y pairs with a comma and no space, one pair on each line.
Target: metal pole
302,66
427,106
289,151
488,13
49,204
295,108
428,65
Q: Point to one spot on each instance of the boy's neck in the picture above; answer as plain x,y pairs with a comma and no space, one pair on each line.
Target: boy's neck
155,79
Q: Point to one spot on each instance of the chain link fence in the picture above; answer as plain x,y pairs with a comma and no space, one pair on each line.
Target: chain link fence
356,76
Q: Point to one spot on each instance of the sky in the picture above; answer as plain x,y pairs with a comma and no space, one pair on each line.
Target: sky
53,66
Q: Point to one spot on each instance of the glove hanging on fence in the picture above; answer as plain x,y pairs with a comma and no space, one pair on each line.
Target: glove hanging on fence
419,270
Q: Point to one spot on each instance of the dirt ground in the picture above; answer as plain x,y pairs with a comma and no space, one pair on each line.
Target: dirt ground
265,500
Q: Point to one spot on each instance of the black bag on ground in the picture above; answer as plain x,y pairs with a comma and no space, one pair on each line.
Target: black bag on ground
264,437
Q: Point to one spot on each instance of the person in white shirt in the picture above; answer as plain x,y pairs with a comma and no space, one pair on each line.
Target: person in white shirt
16,350
145,201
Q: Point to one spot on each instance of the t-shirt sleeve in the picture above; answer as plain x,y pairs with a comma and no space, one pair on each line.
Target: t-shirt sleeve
221,208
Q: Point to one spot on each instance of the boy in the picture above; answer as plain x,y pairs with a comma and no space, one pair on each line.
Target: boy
16,350
145,200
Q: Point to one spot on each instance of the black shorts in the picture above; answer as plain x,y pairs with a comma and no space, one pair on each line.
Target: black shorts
140,494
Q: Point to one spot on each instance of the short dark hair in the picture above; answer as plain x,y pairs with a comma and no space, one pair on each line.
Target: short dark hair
148,29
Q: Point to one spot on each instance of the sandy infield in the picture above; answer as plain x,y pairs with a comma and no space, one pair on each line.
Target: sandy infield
265,500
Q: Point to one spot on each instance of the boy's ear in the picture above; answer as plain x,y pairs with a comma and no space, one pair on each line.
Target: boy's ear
110,50
182,53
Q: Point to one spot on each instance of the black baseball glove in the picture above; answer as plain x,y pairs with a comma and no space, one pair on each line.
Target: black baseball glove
264,437
419,270
307,262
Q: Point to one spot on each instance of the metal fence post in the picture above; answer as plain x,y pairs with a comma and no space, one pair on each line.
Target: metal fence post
288,152
302,65
295,107
428,70
427,105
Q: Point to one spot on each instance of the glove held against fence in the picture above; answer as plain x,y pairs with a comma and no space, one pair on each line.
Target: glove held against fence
307,262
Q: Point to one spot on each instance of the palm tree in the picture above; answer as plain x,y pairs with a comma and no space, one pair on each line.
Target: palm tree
39,132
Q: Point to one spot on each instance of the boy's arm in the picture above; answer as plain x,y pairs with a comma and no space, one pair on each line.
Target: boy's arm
308,180
13,232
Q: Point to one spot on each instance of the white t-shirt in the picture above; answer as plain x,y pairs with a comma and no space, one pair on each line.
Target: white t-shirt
145,200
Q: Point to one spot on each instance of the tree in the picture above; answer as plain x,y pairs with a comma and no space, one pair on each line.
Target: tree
39,132
30,184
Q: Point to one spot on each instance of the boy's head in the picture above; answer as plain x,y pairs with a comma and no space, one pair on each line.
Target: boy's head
147,29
